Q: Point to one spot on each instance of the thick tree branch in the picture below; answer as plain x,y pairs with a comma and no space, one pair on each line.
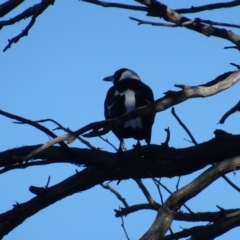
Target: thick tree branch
149,161
212,6
8,6
172,98
170,15
218,228
177,199
183,10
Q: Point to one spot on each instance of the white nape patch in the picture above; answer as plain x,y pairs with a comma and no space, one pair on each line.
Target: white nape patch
130,104
129,74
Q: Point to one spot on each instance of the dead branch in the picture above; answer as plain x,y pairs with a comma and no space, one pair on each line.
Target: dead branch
8,6
116,193
68,130
149,161
229,112
140,22
183,126
170,15
212,6
146,193
218,228
192,9
175,201
172,98
217,23
33,12
34,124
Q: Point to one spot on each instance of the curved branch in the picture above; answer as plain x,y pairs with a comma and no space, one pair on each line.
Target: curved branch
170,15
212,6
8,6
218,228
34,124
177,199
172,98
33,11
229,112
147,162
182,10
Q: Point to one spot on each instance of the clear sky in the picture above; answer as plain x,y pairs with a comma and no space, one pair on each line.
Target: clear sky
56,72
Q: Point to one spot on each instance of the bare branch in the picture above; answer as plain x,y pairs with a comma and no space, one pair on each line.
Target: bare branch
170,15
33,12
140,22
157,183
212,6
177,199
34,124
146,192
184,126
183,10
217,23
8,6
116,193
229,112
106,140
124,229
117,5
212,231
68,130
135,208
196,20
172,98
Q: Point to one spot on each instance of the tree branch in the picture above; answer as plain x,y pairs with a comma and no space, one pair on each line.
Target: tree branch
8,6
33,12
172,98
212,6
177,199
170,15
229,112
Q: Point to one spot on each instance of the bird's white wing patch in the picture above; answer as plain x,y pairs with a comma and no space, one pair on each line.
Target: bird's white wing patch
130,104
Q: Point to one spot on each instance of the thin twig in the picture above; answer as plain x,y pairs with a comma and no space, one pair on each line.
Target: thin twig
116,193
177,186
156,182
68,130
171,193
140,22
106,140
184,126
145,192
217,23
34,124
124,229
48,181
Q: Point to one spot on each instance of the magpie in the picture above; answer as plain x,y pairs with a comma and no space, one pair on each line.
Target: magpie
128,93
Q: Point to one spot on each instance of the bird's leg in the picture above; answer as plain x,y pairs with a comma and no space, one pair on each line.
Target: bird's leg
138,145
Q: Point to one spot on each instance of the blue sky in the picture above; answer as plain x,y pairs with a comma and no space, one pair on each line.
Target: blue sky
56,72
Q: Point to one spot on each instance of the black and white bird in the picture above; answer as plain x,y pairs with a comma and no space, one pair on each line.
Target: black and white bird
128,93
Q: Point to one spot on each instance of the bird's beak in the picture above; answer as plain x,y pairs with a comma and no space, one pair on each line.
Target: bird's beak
109,79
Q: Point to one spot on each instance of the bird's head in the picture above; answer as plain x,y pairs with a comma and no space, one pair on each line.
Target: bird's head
122,74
